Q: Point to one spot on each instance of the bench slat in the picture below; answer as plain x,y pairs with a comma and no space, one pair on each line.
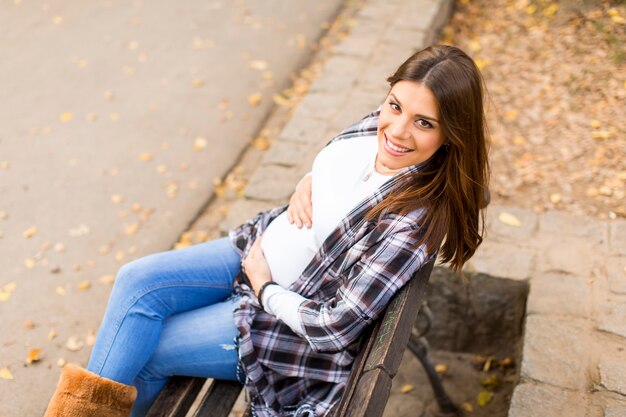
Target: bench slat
219,399
176,397
371,394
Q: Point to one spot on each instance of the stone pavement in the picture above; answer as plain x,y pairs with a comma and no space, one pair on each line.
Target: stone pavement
574,351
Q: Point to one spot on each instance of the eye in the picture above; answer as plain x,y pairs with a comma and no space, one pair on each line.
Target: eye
394,106
424,123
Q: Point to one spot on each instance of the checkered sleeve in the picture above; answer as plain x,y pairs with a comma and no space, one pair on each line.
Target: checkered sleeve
379,273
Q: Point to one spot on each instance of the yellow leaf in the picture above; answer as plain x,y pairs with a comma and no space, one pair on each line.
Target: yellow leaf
57,20
480,63
29,263
29,325
551,10
61,362
441,368
52,334
60,290
199,144
280,100
107,279
531,9
119,255
618,19
90,339
4,164
5,295
301,41
131,229
5,373
109,96
10,287
509,219
114,116
261,144
468,407
117,198
601,134
28,233
33,356
595,124
197,82
474,45
407,388
555,198
255,99
267,75
511,115
483,398
146,156
66,117
258,65
84,285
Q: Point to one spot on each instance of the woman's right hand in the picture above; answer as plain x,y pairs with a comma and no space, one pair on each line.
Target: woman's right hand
300,210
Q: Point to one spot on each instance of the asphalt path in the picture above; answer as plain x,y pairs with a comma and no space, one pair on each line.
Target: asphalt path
115,120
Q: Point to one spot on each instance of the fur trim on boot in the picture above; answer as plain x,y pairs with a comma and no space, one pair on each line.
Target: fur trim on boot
81,393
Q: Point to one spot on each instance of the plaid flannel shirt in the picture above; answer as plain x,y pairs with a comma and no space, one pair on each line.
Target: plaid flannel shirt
348,284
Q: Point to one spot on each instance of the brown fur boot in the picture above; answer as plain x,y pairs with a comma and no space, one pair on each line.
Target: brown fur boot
81,393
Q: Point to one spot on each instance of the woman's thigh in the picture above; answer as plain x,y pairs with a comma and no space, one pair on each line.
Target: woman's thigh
198,343
173,275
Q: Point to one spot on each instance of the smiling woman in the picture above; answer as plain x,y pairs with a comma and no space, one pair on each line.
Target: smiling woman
382,199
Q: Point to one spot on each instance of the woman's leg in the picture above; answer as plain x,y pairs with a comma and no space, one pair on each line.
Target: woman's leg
197,343
151,289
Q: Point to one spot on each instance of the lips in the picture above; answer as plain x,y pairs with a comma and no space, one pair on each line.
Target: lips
394,149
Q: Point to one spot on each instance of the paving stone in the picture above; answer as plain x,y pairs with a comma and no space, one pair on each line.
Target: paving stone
405,36
383,63
613,367
611,316
560,294
562,254
361,46
615,411
242,211
335,84
359,104
273,183
539,400
556,351
303,129
564,225
618,237
319,105
616,274
502,260
497,229
375,10
288,154
425,15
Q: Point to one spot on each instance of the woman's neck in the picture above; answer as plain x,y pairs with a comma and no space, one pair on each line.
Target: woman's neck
382,169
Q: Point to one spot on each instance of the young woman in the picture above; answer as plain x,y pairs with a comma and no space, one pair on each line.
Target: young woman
281,307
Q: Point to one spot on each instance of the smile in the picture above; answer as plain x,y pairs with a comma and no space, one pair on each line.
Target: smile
393,148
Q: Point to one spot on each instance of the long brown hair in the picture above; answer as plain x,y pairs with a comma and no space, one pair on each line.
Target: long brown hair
452,186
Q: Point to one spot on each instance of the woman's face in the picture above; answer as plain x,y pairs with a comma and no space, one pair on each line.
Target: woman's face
409,131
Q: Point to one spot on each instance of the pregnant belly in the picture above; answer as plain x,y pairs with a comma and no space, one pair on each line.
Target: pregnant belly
287,249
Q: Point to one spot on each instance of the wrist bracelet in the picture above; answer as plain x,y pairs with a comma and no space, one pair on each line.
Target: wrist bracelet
263,287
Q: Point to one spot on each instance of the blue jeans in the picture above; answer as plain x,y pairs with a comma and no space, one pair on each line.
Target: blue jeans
170,313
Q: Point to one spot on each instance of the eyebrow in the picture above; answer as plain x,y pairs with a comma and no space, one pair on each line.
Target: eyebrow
417,115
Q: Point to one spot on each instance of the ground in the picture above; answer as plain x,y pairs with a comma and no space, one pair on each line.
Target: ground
556,76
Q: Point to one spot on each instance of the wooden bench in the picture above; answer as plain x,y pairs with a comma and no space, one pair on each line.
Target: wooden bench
368,386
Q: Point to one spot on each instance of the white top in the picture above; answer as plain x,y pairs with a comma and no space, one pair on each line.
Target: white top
343,175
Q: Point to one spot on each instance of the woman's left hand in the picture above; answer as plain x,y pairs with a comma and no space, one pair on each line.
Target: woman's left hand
256,267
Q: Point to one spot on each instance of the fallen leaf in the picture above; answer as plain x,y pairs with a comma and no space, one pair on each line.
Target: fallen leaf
258,65
146,156
10,287
60,291
107,279
468,407
551,10
199,144
61,362
33,356
4,296
57,20
30,232
5,373
407,388
197,82
484,397
66,117
255,99
74,343
52,334
441,368
81,230
261,144
84,285
601,134
509,219
280,100
29,325
555,198
3,214
29,263
109,96
90,339
491,383
131,229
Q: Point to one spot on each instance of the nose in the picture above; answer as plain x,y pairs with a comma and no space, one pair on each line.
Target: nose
399,128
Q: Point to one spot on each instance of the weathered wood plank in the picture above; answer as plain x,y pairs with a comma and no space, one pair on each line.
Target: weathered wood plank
396,324
219,399
371,395
176,397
